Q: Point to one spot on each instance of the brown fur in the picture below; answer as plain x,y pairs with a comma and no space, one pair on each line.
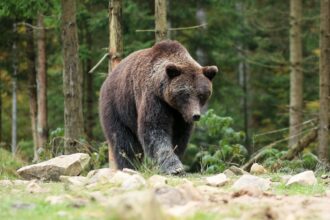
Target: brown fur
149,102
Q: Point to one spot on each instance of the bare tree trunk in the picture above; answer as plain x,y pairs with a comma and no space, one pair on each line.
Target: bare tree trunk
90,121
0,107
14,97
115,36
296,75
72,79
160,20
32,90
42,85
323,148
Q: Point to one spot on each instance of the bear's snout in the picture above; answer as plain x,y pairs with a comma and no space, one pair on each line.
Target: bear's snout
196,117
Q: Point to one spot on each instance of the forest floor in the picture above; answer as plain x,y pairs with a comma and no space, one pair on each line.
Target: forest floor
180,198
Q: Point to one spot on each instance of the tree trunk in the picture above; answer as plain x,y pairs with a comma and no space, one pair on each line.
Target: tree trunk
296,75
72,79
160,20
323,148
14,97
32,90
42,84
115,36
0,107
90,122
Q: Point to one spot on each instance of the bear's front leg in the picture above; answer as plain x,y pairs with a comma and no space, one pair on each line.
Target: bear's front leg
155,132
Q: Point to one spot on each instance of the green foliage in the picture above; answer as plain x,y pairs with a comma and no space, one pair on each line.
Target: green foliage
9,164
219,144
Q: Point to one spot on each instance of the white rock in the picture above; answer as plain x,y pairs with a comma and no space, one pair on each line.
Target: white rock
306,178
250,181
56,200
103,175
74,180
20,182
190,191
135,181
68,165
170,196
130,171
119,177
257,169
6,183
157,181
34,187
217,180
285,178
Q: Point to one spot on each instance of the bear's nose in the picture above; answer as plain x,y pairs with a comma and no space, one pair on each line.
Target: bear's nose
196,117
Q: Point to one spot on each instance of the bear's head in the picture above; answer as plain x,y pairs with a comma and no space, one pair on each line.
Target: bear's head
188,88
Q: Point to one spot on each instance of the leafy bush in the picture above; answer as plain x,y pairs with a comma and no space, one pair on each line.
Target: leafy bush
215,145
9,164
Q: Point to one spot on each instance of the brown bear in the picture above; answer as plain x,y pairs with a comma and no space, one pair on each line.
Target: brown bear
149,102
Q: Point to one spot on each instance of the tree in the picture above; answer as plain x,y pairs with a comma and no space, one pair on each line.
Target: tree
32,89
115,36
14,96
72,78
42,84
296,75
323,148
160,20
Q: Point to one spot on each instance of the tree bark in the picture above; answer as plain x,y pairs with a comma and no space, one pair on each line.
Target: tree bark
42,85
14,96
160,20
90,120
32,77
72,79
323,148
115,36
296,75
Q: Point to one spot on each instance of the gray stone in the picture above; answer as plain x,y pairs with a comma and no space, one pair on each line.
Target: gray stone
157,181
257,169
250,181
68,165
306,178
133,182
74,180
217,180
100,176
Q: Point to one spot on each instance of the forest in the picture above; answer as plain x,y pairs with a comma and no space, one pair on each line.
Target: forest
269,113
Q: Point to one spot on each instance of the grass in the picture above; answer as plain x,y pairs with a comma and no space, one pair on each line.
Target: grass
9,165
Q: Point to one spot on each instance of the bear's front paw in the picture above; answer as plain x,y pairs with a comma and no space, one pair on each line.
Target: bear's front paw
172,166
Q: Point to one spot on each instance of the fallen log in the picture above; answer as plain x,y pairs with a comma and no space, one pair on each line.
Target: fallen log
304,142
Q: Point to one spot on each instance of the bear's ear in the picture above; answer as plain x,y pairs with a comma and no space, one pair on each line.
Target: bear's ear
172,70
210,71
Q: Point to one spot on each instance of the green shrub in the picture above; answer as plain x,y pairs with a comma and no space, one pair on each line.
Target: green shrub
215,145
9,164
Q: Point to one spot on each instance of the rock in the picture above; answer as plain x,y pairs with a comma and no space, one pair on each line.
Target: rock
20,182
157,181
133,182
257,169
237,171
100,176
170,196
34,187
130,171
6,183
324,176
56,200
98,197
68,165
190,192
285,178
217,180
306,178
249,191
249,181
140,205
229,173
119,177
21,205
180,212
327,193
74,180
